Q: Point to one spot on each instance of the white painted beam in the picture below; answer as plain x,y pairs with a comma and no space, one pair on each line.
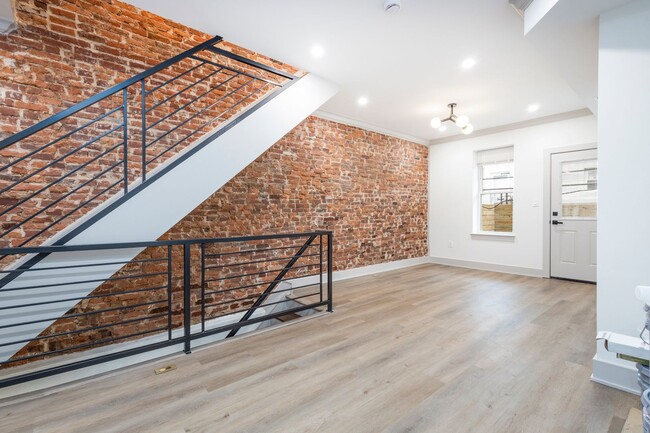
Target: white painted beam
7,17
535,12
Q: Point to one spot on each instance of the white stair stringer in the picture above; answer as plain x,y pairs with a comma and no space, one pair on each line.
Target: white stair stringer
153,211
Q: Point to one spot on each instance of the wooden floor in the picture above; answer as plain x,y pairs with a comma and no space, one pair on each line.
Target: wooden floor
425,349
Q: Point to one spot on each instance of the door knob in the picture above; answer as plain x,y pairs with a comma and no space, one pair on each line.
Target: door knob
556,222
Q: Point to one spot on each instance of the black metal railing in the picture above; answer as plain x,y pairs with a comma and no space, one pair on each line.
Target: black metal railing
88,304
116,142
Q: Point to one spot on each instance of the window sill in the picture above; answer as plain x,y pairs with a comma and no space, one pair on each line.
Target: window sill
503,236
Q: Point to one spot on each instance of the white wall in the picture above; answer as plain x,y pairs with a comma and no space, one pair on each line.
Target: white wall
451,190
624,179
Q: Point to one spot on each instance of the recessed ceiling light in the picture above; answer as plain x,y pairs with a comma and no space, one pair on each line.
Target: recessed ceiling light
363,101
317,51
468,63
532,108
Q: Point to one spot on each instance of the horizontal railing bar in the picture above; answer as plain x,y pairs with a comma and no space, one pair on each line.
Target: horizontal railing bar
128,245
91,265
182,90
252,63
248,297
51,184
255,320
261,273
81,298
257,261
212,89
106,93
43,286
160,86
79,331
208,122
72,152
258,284
72,316
73,211
247,74
83,346
103,116
196,114
18,379
218,255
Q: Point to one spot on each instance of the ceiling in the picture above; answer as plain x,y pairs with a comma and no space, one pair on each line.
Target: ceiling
567,38
406,64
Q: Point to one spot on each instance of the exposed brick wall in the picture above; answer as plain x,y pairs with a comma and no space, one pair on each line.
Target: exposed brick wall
68,50
370,189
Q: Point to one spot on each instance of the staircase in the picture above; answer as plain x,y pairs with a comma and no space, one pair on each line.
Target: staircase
81,190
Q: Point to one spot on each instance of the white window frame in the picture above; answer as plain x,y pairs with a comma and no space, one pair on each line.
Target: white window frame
479,193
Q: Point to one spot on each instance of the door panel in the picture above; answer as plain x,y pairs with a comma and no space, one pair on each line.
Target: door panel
574,204
567,241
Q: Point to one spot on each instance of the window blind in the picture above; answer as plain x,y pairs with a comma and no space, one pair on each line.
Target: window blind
495,156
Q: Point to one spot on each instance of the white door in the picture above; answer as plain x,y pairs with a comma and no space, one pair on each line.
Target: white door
574,201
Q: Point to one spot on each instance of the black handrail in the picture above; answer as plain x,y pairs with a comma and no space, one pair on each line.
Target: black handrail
166,130
152,312
108,92
242,102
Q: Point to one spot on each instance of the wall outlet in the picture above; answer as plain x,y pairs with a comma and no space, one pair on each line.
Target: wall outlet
450,244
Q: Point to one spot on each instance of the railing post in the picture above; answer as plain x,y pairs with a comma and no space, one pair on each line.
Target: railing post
187,317
202,287
320,257
125,131
330,305
169,292
144,131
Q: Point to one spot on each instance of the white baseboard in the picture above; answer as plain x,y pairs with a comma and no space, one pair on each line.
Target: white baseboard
618,376
494,267
378,269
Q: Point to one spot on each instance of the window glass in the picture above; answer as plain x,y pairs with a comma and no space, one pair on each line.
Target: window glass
496,190
580,189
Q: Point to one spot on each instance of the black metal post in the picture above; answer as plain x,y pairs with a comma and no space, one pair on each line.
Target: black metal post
125,132
320,272
186,297
144,131
330,305
202,287
169,292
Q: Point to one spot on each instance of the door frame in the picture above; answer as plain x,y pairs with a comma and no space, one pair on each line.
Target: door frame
546,220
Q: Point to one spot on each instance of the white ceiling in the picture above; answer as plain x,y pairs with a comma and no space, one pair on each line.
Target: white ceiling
407,64
567,38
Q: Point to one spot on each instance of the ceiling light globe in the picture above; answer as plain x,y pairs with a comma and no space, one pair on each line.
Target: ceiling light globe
436,123
462,121
468,129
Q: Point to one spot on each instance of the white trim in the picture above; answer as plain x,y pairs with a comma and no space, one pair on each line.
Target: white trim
379,268
517,125
621,377
493,267
546,206
367,126
493,236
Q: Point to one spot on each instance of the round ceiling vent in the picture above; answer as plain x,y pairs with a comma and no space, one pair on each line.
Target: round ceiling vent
392,6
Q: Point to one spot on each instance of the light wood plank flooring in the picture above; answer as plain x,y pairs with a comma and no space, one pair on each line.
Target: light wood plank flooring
425,349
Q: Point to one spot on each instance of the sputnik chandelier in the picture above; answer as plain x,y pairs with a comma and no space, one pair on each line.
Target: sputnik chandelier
461,121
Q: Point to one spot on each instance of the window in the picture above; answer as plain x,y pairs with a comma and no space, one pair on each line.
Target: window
496,180
580,189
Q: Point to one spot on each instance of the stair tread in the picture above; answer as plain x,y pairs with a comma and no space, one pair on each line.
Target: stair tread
289,316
